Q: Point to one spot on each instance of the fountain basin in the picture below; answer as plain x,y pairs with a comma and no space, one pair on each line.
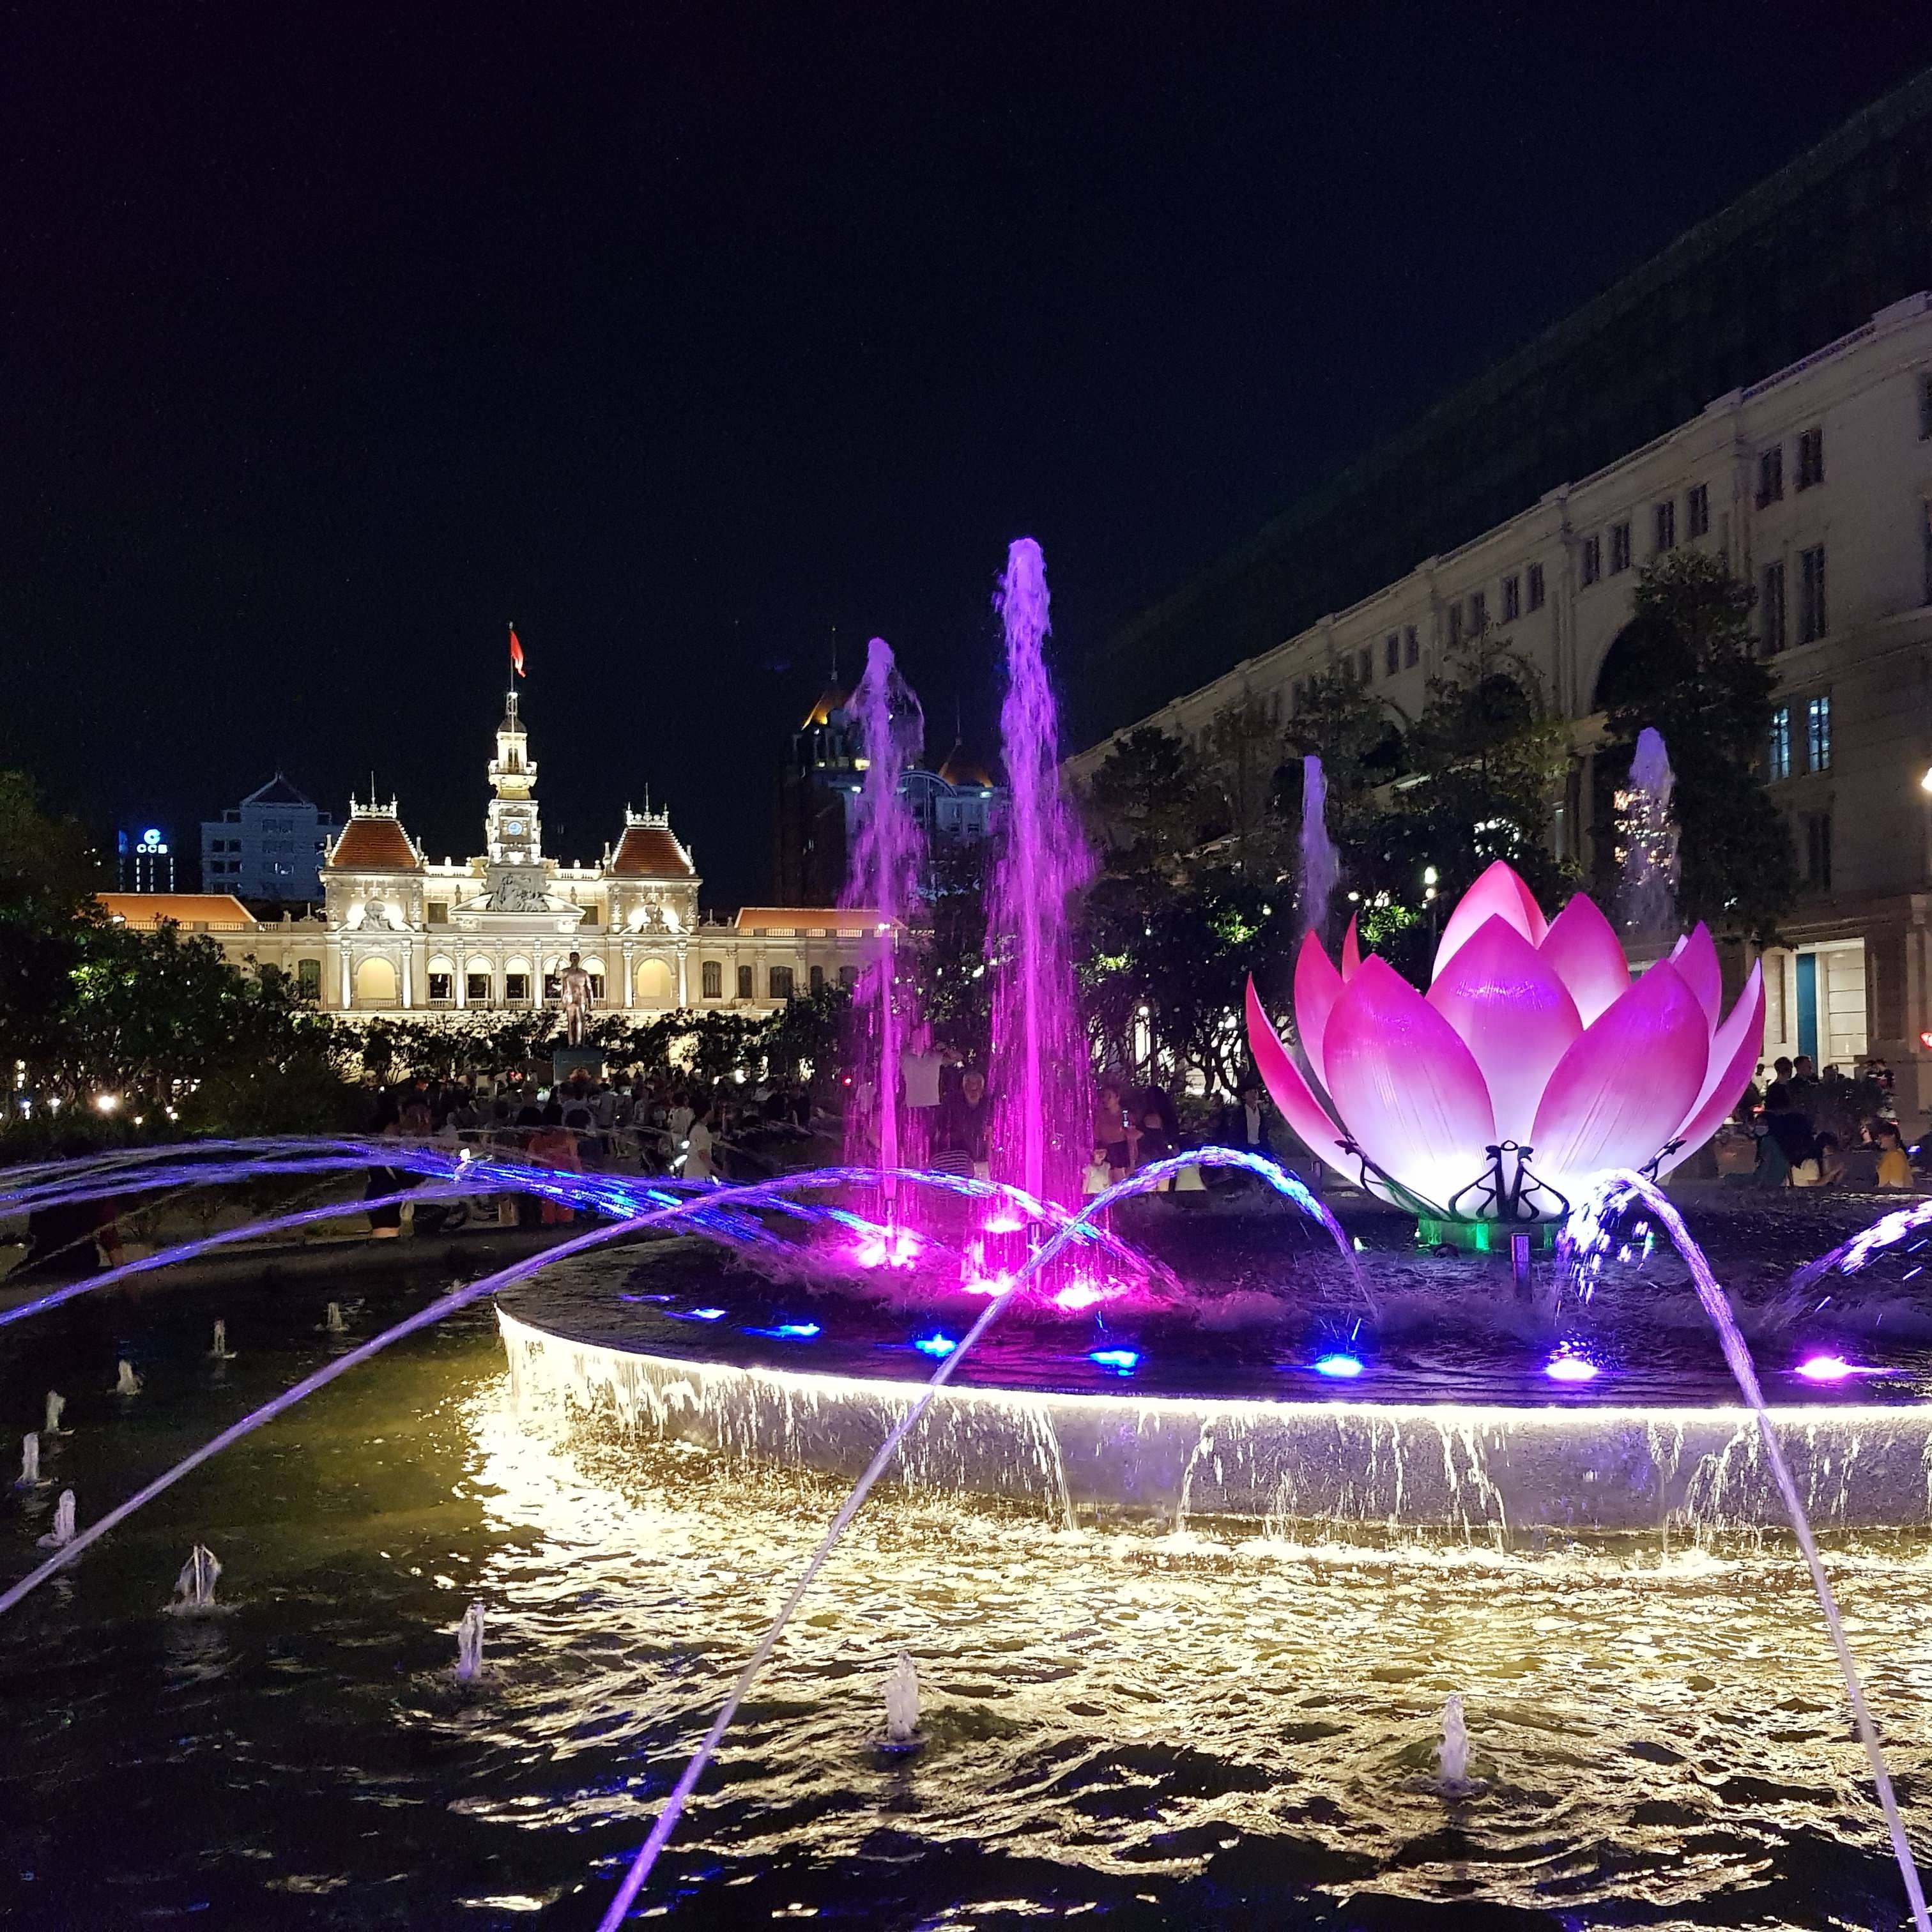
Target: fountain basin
1498,1472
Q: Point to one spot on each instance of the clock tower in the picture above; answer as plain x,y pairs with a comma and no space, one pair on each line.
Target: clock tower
511,827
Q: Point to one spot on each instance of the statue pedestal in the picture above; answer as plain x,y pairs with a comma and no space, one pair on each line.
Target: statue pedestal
566,1062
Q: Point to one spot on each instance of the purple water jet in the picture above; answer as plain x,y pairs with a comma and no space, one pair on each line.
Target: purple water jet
1321,864
1042,1085
884,879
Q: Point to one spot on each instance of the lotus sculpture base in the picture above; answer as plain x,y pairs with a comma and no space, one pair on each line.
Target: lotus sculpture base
1485,1237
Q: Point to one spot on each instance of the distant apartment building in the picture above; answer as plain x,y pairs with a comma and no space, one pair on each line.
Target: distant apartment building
1815,484
269,847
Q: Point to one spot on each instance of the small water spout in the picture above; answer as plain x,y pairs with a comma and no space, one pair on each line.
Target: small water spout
219,1352
126,1382
194,1588
1646,836
62,1534
30,1461
333,1321
1321,864
901,1702
469,1646
56,1404
1452,1755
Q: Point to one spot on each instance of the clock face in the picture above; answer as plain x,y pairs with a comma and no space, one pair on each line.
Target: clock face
514,826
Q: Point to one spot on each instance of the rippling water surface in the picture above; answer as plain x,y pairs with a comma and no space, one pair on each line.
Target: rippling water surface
1124,1726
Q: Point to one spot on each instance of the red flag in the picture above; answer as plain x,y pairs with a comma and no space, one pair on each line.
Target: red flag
516,652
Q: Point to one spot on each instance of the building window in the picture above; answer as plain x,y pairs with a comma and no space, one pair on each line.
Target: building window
1512,599
744,982
1925,512
1925,409
1777,759
848,977
1771,474
439,912
1818,852
553,986
1392,652
1697,511
1455,623
818,979
781,982
1620,548
1295,698
1365,665
1411,649
597,988
516,987
1666,525
1593,560
308,978
1479,609
1810,458
1536,587
1818,734
441,986
1770,611
713,973
1811,595
476,989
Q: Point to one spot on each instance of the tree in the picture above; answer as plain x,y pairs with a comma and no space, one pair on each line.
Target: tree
48,879
1146,805
1687,665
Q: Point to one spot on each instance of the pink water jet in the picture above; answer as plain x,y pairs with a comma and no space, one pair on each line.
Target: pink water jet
1041,1084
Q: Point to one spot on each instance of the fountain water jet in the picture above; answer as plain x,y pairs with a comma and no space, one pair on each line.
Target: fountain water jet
332,1321
1452,1755
469,1646
30,1461
62,1534
56,1406
1647,843
126,1382
1042,1084
1320,863
194,1588
220,1352
901,1701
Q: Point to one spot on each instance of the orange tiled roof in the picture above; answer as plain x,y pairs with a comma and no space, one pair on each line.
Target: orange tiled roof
650,852
834,919
372,845
146,910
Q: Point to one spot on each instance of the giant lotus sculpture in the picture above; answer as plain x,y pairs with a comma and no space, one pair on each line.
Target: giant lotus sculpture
1533,1061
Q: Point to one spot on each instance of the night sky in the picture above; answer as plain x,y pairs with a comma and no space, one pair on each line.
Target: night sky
330,339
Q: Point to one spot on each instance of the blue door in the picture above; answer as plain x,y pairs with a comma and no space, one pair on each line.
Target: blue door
1807,1005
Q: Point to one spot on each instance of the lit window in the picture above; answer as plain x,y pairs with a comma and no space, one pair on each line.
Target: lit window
1811,595
1818,734
1697,510
1536,587
1620,548
1810,458
1666,525
1771,474
1593,560
1770,611
1777,760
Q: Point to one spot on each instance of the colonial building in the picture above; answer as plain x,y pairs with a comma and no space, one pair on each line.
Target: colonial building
399,932
1815,484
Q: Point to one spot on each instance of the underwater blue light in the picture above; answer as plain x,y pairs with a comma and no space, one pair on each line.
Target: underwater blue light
1564,1366
1122,1361
703,1315
1343,1368
788,1331
935,1345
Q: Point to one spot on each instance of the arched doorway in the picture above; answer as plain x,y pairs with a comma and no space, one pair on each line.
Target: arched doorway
376,983
655,984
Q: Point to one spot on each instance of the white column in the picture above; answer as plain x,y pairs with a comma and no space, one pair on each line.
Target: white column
407,978
630,983
683,977
348,981
460,979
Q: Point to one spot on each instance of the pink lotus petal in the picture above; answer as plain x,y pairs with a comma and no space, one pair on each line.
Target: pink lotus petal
1498,894
1695,959
1351,951
1625,1085
1582,945
1734,1053
1317,987
1513,1013
1290,1091
1411,1092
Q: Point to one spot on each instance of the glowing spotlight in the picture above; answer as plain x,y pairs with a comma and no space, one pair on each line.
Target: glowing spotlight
1567,1367
107,1102
1122,1361
1078,1294
1005,1224
701,1314
1342,1368
788,1331
938,1346
989,1285
1832,1368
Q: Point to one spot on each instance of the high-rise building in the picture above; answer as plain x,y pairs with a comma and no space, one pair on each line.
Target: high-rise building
269,847
144,858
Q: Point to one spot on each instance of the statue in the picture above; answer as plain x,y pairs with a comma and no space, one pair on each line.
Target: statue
512,895
573,982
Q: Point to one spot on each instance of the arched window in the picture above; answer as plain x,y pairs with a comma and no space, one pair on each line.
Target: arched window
714,979
655,984
375,983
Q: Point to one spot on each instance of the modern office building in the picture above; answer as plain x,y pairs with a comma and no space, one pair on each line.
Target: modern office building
269,847
144,858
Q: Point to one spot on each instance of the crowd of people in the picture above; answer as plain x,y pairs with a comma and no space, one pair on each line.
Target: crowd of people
1810,1130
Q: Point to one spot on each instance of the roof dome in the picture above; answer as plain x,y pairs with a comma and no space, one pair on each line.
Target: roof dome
964,772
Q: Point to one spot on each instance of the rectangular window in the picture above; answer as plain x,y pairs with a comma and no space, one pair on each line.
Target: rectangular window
1392,652
1593,560
1365,665
744,982
713,977
1810,458
1479,609
441,986
818,979
1777,759
1411,649
1770,611
1536,587
516,987
439,912
781,982
476,989
1771,474
552,987
1512,599
1697,510
1818,852
1295,698
1620,548
308,978
1455,624
848,977
1811,595
597,988
1925,409
1666,525
1925,538
1818,734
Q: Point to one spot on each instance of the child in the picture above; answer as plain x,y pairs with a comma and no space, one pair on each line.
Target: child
1097,1178
1895,1168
